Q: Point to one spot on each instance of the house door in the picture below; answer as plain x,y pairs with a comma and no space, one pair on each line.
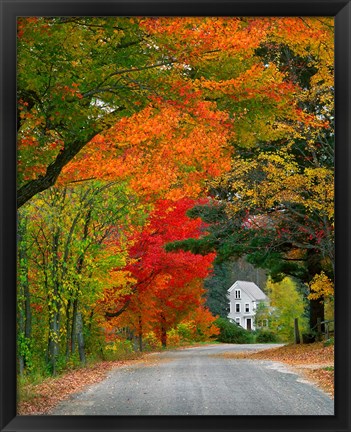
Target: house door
248,324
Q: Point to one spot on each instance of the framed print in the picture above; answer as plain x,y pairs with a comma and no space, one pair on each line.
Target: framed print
175,217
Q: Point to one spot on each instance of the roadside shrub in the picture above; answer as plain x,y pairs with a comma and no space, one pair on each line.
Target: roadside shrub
183,333
73,362
186,330
118,350
173,338
151,342
309,337
25,349
232,333
329,368
266,336
329,342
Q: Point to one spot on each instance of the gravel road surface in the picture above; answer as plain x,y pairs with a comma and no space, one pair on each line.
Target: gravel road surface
199,381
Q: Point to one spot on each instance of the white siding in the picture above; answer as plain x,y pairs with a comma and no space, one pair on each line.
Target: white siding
244,299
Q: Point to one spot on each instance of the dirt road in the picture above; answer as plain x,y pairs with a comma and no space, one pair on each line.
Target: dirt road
200,381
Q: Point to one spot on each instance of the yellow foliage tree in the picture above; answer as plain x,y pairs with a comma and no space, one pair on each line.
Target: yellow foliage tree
287,304
321,287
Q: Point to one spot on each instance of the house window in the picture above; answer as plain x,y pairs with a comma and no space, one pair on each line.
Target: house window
247,307
237,294
237,307
237,320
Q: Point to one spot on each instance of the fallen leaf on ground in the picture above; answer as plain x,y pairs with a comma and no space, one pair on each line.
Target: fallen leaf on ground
52,390
313,361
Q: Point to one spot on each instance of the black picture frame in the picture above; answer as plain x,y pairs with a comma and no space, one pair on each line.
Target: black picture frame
9,10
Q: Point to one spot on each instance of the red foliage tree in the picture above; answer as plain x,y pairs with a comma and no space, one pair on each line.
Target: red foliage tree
168,284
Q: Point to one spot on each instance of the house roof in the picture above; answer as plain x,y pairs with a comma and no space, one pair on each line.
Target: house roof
250,288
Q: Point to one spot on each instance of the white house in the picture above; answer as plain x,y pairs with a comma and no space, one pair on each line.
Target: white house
243,300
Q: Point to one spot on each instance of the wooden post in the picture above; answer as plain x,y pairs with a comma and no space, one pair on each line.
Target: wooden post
319,329
327,330
296,331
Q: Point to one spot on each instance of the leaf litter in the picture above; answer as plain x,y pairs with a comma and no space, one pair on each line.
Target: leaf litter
41,398
313,361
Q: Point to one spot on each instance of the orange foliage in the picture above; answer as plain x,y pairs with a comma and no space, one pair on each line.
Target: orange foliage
160,150
190,38
181,137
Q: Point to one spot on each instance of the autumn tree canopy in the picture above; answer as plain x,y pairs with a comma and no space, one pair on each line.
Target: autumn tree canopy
276,204
151,149
79,76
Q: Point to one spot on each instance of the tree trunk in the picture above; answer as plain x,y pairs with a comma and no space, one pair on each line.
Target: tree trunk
316,306
140,334
90,320
297,331
163,331
74,326
21,365
68,330
43,182
28,311
54,300
24,308
77,322
20,332
80,339
316,311
319,330
53,346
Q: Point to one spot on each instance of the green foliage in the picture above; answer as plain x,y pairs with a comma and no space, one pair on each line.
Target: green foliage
232,333
201,246
286,304
299,69
329,342
329,368
119,350
173,338
262,315
25,350
266,336
184,333
209,214
151,342
274,262
185,330
69,71
71,255
217,286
